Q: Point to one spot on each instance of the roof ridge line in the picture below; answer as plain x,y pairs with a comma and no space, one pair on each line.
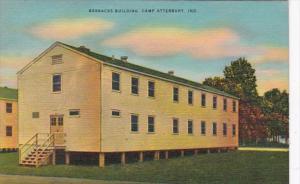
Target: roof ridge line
119,63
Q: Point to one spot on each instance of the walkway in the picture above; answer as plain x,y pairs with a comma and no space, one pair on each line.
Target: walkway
19,179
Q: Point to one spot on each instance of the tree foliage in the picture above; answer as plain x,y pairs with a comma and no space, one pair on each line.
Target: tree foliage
259,116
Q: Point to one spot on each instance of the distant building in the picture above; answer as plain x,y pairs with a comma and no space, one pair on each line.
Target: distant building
8,119
77,101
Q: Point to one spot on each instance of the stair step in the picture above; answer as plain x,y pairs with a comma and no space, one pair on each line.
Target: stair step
46,152
39,151
28,162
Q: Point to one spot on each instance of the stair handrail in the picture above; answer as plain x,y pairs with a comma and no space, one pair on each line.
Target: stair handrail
50,139
35,135
21,151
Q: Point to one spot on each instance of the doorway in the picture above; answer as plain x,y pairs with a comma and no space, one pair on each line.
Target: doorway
57,128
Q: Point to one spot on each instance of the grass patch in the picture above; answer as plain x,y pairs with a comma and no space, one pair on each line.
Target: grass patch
232,167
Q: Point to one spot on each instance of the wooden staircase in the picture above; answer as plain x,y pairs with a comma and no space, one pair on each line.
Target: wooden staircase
38,150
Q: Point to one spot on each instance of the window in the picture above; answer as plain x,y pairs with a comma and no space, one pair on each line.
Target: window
203,128
35,114
190,126
115,113
175,94
175,126
60,120
56,83
203,100
224,129
234,106
134,85
57,120
115,81
214,102
190,97
233,130
225,104
57,59
151,124
134,123
53,120
151,89
8,107
74,112
214,128
9,131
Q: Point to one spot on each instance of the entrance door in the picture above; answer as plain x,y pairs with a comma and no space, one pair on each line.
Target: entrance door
57,128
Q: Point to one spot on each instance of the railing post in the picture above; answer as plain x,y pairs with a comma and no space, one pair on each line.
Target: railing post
36,139
20,155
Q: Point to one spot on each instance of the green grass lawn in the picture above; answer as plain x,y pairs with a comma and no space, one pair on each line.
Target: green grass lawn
233,167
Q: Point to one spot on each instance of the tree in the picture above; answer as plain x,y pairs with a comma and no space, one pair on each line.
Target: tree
216,82
252,123
259,116
241,76
276,108
276,101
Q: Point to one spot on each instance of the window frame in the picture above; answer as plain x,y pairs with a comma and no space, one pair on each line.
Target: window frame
136,123
60,120
175,121
175,96
203,128
53,83
53,121
190,98
9,107
115,116
114,81
150,89
215,102
8,131
233,130
74,116
35,115
190,127
225,104
233,105
136,86
153,125
203,100
214,129
224,129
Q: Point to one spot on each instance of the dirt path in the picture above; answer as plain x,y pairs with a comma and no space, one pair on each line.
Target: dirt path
263,149
19,179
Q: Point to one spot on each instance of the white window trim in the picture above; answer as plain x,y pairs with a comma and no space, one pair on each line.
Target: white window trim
61,83
115,116
74,116
138,85
120,86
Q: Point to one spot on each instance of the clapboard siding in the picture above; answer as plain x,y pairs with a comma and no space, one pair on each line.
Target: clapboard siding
80,90
8,119
116,133
86,85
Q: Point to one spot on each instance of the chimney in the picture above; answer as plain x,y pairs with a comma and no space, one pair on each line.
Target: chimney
171,72
83,49
124,58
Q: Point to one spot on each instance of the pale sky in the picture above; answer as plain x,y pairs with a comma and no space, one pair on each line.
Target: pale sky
195,45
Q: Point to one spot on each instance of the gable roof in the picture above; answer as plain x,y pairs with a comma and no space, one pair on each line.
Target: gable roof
148,71
8,93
